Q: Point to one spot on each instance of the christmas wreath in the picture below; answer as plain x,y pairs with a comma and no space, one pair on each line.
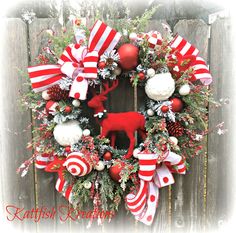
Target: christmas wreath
91,170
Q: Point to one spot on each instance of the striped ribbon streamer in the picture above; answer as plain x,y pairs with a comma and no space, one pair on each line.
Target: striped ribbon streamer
63,187
42,160
152,176
184,48
76,62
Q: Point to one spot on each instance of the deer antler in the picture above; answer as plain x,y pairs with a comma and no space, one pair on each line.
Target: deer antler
107,89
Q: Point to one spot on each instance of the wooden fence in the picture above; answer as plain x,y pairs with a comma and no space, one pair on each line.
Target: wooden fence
197,201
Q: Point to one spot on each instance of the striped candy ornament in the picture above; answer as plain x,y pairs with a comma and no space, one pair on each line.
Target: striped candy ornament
152,177
42,160
77,165
63,187
154,38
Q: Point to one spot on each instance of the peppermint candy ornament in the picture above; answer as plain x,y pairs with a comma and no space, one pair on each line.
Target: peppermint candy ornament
160,86
77,165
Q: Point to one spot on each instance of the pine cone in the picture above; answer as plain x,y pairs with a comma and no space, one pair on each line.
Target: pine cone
56,93
175,129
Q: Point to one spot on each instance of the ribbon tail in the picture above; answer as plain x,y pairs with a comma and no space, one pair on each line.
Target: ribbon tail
176,160
64,188
147,216
79,88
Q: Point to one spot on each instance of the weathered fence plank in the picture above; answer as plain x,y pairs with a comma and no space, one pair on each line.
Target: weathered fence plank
16,191
188,203
220,146
46,194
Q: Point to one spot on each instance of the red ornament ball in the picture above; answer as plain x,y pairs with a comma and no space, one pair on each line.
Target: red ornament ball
128,56
68,109
141,76
67,149
176,104
114,172
101,65
107,155
164,109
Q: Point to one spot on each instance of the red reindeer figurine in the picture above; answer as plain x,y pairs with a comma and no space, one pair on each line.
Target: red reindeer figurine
124,121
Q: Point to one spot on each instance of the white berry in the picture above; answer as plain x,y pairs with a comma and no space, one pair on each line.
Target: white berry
87,184
184,90
76,103
100,166
150,112
45,95
151,72
86,132
174,140
117,71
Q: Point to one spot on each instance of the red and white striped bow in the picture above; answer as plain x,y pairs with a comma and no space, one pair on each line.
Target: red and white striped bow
184,48
76,62
152,176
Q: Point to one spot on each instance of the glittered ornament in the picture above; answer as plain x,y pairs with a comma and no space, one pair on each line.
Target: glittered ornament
76,103
164,109
101,65
136,151
86,132
160,87
150,112
68,109
141,76
151,72
99,166
114,172
184,90
45,95
67,133
175,129
57,94
128,56
107,156
176,104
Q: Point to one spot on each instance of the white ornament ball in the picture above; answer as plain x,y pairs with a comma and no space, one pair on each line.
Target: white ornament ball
67,133
160,87
184,90
45,95
87,184
133,36
174,140
117,71
86,132
100,166
136,151
76,103
151,72
150,112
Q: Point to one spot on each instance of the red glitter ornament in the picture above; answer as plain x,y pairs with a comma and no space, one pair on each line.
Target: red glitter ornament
68,109
128,56
107,155
141,76
101,65
164,109
114,172
176,104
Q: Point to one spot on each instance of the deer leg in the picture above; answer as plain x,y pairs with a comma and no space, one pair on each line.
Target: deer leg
113,139
104,133
131,145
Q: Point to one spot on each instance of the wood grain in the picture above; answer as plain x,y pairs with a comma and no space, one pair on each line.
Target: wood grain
188,203
220,148
16,191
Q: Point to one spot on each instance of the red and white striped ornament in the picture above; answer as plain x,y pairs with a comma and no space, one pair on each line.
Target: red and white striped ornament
77,165
154,38
42,160
51,107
